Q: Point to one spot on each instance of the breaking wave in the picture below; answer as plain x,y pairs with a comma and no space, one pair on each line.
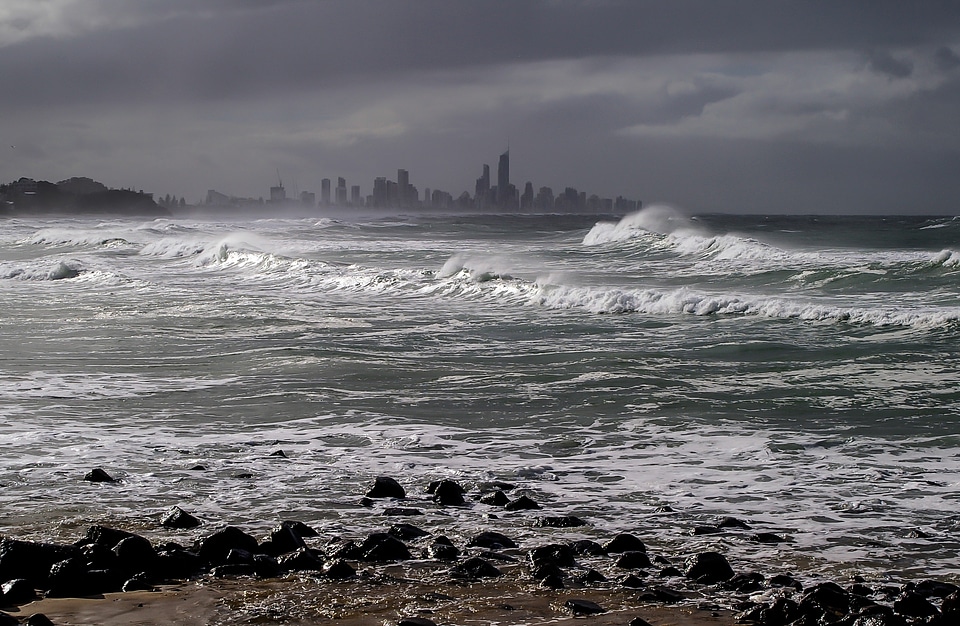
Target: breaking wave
41,270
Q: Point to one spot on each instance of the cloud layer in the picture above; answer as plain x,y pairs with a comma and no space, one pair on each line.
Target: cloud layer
712,105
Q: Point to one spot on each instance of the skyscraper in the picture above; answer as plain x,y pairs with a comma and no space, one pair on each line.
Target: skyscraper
325,191
503,176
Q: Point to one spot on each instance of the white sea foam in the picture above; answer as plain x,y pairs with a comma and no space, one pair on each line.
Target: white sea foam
946,258
42,269
660,219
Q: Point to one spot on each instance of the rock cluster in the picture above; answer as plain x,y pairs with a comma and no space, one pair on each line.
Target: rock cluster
111,560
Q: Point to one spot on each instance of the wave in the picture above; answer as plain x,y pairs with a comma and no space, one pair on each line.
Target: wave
689,302
41,270
656,219
946,258
76,238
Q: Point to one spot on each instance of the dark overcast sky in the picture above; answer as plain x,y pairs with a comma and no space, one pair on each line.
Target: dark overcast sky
821,106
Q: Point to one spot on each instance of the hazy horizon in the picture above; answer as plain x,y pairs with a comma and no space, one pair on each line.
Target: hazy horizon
741,107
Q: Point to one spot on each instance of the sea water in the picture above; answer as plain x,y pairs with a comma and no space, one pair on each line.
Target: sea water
649,373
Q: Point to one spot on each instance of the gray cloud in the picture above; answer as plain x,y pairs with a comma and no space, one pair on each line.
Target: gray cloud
646,98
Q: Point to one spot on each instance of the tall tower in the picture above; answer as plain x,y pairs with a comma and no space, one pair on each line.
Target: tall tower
503,176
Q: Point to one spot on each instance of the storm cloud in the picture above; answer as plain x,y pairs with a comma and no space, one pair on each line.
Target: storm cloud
754,106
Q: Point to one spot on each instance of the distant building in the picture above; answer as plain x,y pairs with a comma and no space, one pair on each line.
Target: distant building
355,198
278,194
308,198
526,200
342,191
215,198
482,194
325,192
81,186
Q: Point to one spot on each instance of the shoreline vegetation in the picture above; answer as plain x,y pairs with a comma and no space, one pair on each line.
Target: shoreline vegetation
410,576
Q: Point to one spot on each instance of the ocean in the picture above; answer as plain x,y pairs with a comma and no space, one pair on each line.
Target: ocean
649,373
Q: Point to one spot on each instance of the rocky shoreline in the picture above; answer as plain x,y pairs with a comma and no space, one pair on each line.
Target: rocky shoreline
411,576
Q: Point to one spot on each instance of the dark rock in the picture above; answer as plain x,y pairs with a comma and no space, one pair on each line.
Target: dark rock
406,532
669,572
566,521
140,582
767,538
17,591
105,536
38,619
71,579
586,547
918,534
583,607
935,588
523,503
30,560
98,556
705,530
744,583
386,487
8,620
492,540
97,475
339,570
497,498
732,522
448,493
913,604
197,468
443,552
234,570
300,560
708,568
592,576
475,568
826,601
633,560
178,518
556,554
540,572
266,566
633,582
663,595
383,548
552,581
950,607
134,554
244,475
302,530
497,556
237,556
176,564
783,580
625,542
416,621
213,549
639,621
399,511
284,538
279,453
859,589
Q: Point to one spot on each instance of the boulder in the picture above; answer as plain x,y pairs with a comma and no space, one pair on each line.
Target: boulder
491,540
625,542
583,607
134,554
708,568
447,493
178,518
176,564
406,532
497,498
588,548
97,475
732,522
475,568
399,511
442,549
554,554
213,548
416,621
523,503
31,560
565,521
338,570
17,591
826,601
38,619
285,538
912,604
633,560
383,548
386,487
301,560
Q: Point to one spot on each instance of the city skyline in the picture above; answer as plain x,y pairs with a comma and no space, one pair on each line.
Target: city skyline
734,106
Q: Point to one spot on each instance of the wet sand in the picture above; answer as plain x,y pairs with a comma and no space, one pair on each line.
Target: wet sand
303,600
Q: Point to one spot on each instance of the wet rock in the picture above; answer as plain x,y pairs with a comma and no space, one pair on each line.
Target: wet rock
386,487
744,583
565,521
301,560
586,547
913,604
37,619
663,595
383,548
826,601
552,581
399,511
98,556
705,530
176,564
633,582
732,522
625,542
97,475
407,532
234,570
592,576
555,554
767,538
448,493
708,568
443,551
213,549
265,566
639,621
302,530
285,538
105,536
523,503
140,582
134,554
8,620
475,568
279,453
583,607
935,588
197,468
497,498
338,570
781,612
178,518
783,580
416,621
492,540
17,591
71,579
31,560
633,560
669,572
